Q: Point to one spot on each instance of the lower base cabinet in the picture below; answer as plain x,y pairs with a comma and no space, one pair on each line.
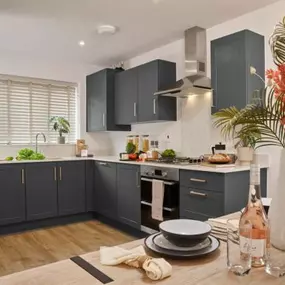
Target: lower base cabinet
105,189
129,195
41,190
12,194
89,185
205,195
71,187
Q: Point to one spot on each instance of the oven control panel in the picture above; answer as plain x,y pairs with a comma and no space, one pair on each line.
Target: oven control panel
164,173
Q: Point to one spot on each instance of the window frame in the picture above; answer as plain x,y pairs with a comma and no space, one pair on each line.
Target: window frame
47,82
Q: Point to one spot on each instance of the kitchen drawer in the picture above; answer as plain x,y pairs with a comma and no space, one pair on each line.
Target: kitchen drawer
202,180
185,214
201,201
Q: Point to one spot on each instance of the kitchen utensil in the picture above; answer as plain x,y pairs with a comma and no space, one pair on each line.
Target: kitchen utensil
160,241
220,148
238,248
178,254
184,232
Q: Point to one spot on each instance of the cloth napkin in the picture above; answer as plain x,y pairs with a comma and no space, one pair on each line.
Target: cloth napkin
157,200
155,268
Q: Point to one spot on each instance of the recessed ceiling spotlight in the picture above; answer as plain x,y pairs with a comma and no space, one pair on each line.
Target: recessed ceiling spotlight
106,29
81,43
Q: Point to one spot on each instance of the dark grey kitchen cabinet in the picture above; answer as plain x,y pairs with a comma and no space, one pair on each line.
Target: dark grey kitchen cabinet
154,76
129,194
41,190
231,59
100,102
12,194
134,93
126,101
89,178
106,189
71,187
205,195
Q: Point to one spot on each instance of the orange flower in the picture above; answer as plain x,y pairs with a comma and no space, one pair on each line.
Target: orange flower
269,73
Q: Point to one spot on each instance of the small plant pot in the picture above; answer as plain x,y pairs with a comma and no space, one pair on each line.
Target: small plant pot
61,140
245,155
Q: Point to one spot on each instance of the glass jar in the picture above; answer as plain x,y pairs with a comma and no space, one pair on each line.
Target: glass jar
137,143
155,150
130,139
145,143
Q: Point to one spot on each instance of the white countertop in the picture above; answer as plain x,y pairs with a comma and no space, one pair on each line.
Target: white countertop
224,169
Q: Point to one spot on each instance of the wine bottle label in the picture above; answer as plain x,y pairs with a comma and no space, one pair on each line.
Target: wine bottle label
244,244
254,174
257,246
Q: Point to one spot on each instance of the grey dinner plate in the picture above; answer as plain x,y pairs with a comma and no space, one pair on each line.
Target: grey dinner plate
160,241
179,254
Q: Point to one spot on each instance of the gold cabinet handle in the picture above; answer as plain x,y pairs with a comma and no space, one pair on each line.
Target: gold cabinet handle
194,193
23,176
60,174
198,180
54,173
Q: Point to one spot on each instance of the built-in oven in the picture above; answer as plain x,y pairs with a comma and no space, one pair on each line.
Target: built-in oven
170,178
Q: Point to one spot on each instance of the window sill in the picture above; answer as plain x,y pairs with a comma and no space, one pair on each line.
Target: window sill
39,144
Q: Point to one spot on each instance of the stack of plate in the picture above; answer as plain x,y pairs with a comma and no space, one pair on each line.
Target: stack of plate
182,239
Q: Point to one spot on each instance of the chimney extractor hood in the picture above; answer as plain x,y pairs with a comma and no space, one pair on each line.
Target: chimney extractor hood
196,81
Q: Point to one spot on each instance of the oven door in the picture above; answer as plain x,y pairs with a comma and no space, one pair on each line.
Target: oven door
170,203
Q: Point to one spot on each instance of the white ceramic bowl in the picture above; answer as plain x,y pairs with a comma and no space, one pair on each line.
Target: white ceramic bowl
184,232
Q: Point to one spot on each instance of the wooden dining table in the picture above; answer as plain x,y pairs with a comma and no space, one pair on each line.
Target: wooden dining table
209,270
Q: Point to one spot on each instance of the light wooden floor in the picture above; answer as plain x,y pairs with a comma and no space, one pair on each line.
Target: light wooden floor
39,247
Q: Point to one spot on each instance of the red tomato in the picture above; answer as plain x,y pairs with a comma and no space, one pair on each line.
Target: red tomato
133,156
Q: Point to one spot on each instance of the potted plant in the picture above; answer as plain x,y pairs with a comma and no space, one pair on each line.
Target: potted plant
60,125
230,120
267,117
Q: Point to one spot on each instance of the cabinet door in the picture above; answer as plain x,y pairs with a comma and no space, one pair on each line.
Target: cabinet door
90,199
41,190
126,91
129,195
71,187
105,189
12,194
152,77
228,71
96,92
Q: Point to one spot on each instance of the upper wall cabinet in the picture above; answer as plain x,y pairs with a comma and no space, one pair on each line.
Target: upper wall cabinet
134,89
100,102
231,59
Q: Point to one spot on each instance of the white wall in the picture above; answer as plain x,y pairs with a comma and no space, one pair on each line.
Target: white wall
193,133
71,72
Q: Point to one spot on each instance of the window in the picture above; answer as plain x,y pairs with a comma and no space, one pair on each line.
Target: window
26,104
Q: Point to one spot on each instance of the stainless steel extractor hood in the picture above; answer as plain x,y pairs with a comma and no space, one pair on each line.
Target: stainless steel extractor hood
196,81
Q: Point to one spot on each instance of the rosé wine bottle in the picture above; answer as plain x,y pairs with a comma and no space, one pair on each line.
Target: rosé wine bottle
255,214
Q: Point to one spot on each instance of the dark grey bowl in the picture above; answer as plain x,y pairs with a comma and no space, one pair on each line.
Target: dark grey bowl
185,232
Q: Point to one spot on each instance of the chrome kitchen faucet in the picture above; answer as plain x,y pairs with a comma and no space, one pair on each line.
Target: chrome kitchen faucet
37,139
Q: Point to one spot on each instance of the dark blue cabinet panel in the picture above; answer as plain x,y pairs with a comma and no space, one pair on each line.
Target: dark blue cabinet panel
231,59
41,190
12,194
129,194
71,187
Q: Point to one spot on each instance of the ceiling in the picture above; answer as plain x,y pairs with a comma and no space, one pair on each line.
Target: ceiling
51,29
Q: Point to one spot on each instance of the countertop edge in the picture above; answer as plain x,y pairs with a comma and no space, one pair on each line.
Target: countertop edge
114,159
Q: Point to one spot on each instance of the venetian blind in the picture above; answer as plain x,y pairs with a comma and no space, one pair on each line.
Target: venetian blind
27,104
